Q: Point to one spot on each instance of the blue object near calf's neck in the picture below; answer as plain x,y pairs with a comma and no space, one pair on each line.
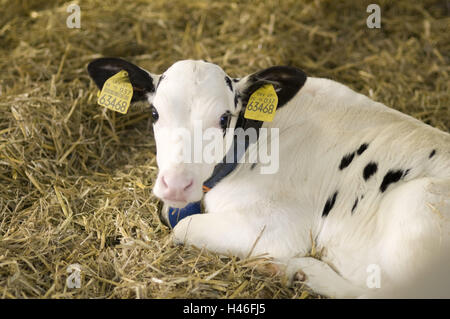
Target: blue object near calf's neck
177,214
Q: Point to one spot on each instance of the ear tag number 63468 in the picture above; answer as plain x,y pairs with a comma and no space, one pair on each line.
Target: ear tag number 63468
116,93
262,104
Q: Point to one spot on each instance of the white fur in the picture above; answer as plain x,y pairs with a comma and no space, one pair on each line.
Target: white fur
400,230
190,91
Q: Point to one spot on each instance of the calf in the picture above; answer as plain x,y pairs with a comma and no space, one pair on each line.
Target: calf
365,184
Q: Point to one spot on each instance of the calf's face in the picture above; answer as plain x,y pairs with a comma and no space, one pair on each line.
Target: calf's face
192,98
193,103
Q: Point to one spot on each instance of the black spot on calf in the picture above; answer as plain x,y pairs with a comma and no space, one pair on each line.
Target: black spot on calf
346,160
433,152
369,170
329,204
362,148
392,176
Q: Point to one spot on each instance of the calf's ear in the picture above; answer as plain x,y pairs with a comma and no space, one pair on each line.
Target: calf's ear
286,80
142,81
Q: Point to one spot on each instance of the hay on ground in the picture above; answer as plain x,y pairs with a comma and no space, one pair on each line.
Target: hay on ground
76,179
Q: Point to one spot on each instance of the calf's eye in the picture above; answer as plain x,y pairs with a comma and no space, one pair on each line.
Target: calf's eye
155,114
225,120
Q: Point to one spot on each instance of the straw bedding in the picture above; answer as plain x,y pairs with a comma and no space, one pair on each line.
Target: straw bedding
76,179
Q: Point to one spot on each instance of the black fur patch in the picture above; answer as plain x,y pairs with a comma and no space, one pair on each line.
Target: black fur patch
392,176
286,80
346,160
355,204
253,166
230,85
369,170
362,148
103,68
329,204
236,100
433,152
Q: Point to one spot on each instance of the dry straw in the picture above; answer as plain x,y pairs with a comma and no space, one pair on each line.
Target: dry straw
76,179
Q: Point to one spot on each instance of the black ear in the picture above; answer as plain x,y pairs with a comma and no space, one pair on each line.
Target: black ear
286,80
143,82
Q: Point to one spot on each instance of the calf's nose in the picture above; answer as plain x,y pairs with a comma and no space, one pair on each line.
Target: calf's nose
175,187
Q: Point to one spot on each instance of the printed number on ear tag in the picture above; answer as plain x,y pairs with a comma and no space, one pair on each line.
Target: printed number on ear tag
116,93
262,104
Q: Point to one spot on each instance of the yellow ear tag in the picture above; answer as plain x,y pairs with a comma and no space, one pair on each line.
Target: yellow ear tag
116,93
262,104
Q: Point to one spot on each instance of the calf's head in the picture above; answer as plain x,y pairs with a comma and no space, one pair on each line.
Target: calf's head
193,100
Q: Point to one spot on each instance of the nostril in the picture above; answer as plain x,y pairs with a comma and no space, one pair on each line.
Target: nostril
189,185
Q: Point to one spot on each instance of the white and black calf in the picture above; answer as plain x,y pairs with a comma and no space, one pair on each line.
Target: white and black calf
366,183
